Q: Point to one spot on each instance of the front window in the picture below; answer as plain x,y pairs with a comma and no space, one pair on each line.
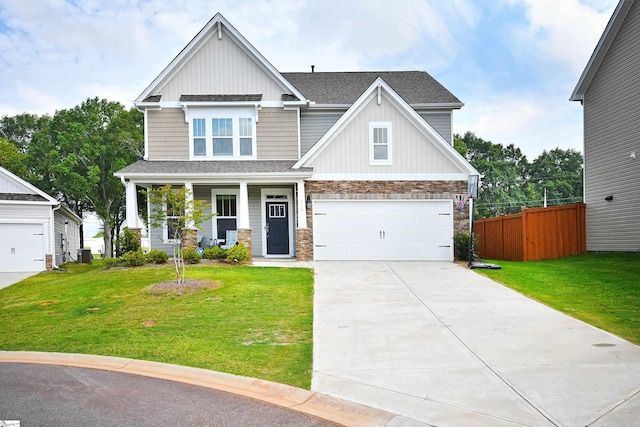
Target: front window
226,214
222,133
172,227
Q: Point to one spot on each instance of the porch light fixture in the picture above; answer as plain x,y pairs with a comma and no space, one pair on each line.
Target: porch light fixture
308,201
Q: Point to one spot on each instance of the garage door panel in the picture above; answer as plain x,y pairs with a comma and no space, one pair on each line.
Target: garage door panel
21,247
383,230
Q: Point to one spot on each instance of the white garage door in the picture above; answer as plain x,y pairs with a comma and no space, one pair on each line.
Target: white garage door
383,230
22,247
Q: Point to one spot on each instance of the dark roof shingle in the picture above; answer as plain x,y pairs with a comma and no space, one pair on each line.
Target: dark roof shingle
344,88
212,167
22,197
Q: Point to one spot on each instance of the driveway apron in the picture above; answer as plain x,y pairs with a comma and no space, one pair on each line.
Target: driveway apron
439,344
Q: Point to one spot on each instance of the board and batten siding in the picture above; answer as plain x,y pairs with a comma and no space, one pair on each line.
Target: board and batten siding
219,67
168,134
412,152
277,134
612,133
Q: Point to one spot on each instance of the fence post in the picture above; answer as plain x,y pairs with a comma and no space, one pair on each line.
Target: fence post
523,224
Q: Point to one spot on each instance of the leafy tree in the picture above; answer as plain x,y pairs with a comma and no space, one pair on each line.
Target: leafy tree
560,172
175,208
503,188
20,129
13,159
75,155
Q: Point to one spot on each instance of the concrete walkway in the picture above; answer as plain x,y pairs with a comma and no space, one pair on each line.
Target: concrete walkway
439,344
8,279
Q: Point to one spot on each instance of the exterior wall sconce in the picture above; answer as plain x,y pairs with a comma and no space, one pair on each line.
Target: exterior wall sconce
308,201
608,198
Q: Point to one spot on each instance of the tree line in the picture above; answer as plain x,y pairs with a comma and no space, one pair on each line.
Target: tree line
510,181
73,154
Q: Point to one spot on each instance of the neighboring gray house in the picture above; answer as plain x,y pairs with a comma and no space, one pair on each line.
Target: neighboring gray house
309,165
36,231
609,90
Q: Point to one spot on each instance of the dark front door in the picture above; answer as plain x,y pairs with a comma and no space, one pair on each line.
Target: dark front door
277,228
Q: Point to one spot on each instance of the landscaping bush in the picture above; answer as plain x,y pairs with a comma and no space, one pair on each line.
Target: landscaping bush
461,245
127,241
110,262
191,256
238,253
134,258
215,252
157,257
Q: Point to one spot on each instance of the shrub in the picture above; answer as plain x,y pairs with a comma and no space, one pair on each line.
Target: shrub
133,258
238,253
461,245
215,252
110,262
191,256
157,257
127,241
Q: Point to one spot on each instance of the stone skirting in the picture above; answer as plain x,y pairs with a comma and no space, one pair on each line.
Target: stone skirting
48,262
138,233
304,244
245,237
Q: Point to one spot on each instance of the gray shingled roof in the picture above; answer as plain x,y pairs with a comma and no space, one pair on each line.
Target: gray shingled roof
22,197
152,98
220,98
415,87
212,167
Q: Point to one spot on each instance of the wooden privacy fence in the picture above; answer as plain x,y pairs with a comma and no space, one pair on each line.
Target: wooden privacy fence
533,234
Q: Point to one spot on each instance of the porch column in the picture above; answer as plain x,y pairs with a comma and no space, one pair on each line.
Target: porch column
244,226
302,207
132,206
188,186
243,207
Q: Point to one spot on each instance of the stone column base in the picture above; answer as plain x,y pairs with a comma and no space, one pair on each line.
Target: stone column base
138,233
190,238
245,237
48,262
304,244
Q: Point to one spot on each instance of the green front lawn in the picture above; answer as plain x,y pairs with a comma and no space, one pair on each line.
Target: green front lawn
257,323
602,289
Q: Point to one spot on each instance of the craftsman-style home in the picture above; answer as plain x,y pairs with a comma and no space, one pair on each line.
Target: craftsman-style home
324,166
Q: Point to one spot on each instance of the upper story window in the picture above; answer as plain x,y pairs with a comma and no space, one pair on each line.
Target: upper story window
380,143
222,133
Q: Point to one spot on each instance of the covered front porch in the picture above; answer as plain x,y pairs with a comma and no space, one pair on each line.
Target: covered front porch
267,213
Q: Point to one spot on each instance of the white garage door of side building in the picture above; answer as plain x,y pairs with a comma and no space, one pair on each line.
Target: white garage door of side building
22,247
383,230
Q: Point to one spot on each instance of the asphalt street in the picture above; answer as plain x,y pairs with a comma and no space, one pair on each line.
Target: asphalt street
51,395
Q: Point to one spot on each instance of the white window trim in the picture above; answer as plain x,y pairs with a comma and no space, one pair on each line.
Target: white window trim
214,207
234,113
389,160
165,227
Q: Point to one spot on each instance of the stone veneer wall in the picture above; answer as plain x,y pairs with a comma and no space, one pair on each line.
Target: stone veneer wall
386,190
245,237
190,238
304,244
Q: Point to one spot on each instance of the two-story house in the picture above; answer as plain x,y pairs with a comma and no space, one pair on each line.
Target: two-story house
609,89
324,166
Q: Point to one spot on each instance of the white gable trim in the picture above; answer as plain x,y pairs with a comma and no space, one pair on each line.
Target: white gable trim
609,34
211,29
379,84
32,189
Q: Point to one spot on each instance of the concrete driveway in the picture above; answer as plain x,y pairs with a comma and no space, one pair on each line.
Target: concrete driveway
439,344
8,279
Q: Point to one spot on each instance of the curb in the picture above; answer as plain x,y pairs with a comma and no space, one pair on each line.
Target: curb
308,402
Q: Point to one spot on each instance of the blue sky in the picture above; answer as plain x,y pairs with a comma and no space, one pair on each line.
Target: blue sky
513,63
